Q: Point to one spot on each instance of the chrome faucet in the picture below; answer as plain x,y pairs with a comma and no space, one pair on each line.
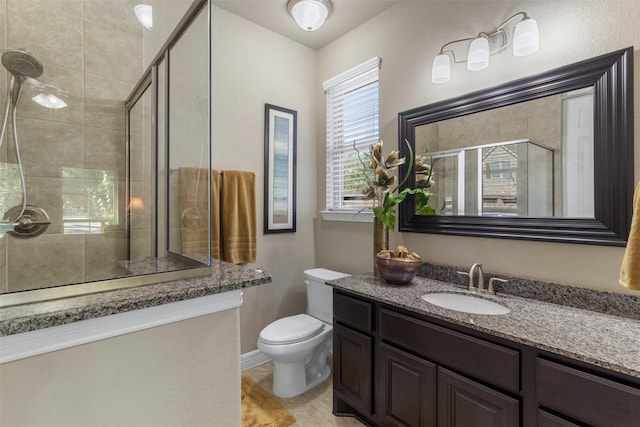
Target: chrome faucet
472,271
480,286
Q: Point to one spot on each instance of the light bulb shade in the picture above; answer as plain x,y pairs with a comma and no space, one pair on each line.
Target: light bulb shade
144,13
441,69
136,204
526,38
478,56
309,14
49,101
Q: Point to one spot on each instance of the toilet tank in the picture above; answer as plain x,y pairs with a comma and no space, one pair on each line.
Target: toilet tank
319,295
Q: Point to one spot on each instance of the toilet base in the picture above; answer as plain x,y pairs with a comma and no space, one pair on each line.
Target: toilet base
294,378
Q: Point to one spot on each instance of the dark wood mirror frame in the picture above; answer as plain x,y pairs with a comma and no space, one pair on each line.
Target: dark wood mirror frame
611,77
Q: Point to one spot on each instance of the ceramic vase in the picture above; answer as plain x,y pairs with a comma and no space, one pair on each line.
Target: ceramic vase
380,240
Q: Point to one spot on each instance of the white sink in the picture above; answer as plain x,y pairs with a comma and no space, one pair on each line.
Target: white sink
465,303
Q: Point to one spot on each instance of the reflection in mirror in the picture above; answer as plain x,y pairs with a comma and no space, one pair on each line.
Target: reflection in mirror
92,153
547,157
531,159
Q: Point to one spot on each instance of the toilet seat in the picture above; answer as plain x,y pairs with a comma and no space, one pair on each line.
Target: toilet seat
292,329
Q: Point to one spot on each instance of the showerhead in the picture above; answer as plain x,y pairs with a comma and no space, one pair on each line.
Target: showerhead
22,64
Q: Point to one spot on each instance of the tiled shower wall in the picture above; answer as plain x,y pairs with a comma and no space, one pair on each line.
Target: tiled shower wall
92,50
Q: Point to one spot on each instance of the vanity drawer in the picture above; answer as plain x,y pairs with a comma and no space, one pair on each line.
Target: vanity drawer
586,397
353,312
477,358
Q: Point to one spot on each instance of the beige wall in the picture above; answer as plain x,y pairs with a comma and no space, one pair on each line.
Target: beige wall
407,37
253,66
173,375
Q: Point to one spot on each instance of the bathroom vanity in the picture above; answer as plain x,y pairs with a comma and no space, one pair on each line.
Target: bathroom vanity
400,361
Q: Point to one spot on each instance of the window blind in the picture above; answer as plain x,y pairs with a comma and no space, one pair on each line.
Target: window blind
352,126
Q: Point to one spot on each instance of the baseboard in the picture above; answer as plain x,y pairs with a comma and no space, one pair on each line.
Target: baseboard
252,358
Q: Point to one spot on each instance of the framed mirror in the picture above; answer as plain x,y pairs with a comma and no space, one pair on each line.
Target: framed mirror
547,157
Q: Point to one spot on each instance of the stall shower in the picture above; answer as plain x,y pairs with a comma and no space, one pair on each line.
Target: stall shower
82,199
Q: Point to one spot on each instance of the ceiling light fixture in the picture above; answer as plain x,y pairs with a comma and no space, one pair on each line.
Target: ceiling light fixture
519,30
144,13
309,14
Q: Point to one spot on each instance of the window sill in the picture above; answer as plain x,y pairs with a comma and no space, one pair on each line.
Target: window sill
348,216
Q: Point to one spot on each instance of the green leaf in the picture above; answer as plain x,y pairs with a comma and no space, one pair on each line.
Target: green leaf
425,210
388,217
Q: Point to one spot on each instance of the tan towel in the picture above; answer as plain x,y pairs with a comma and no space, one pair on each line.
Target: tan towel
630,269
193,209
215,214
238,216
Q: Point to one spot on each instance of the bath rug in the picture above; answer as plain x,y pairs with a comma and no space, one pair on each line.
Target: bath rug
260,408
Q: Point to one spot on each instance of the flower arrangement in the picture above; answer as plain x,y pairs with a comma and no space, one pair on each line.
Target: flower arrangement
380,179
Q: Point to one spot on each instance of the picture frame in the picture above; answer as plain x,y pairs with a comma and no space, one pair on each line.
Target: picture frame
280,140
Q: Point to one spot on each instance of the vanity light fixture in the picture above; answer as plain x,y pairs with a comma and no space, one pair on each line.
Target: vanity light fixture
48,95
520,31
309,14
144,13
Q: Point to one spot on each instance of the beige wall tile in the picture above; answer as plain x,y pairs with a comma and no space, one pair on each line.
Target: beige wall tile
120,52
102,253
118,14
51,33
105,150
44,261
46,193
104,102
47,147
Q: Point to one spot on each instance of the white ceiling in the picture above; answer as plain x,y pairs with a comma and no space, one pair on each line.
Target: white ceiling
272,14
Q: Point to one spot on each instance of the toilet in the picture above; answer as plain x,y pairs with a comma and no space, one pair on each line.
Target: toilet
299,344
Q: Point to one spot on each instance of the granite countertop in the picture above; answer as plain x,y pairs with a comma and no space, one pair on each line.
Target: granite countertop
38,315
603,340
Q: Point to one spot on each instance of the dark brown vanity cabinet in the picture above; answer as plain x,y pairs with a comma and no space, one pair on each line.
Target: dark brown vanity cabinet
590,399
353,355
396,368
407,392
454,364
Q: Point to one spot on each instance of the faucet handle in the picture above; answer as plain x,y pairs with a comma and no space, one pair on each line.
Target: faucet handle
491,281
470,286
464,273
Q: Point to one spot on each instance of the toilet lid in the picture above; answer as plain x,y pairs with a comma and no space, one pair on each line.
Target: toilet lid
291,329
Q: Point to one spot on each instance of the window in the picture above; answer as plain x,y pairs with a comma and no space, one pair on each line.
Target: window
89,200
352,126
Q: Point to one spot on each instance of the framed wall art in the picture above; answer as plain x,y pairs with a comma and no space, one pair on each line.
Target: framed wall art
280,135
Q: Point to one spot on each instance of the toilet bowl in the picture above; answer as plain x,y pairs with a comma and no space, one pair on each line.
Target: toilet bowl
299,344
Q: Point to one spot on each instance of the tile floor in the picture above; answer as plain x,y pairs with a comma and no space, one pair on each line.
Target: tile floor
311,409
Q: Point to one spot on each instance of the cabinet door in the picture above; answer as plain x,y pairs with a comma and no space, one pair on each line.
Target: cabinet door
546,419
586,397
465,403
352,361
406,389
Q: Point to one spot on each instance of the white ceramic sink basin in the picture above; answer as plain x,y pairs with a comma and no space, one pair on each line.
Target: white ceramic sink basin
465,303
